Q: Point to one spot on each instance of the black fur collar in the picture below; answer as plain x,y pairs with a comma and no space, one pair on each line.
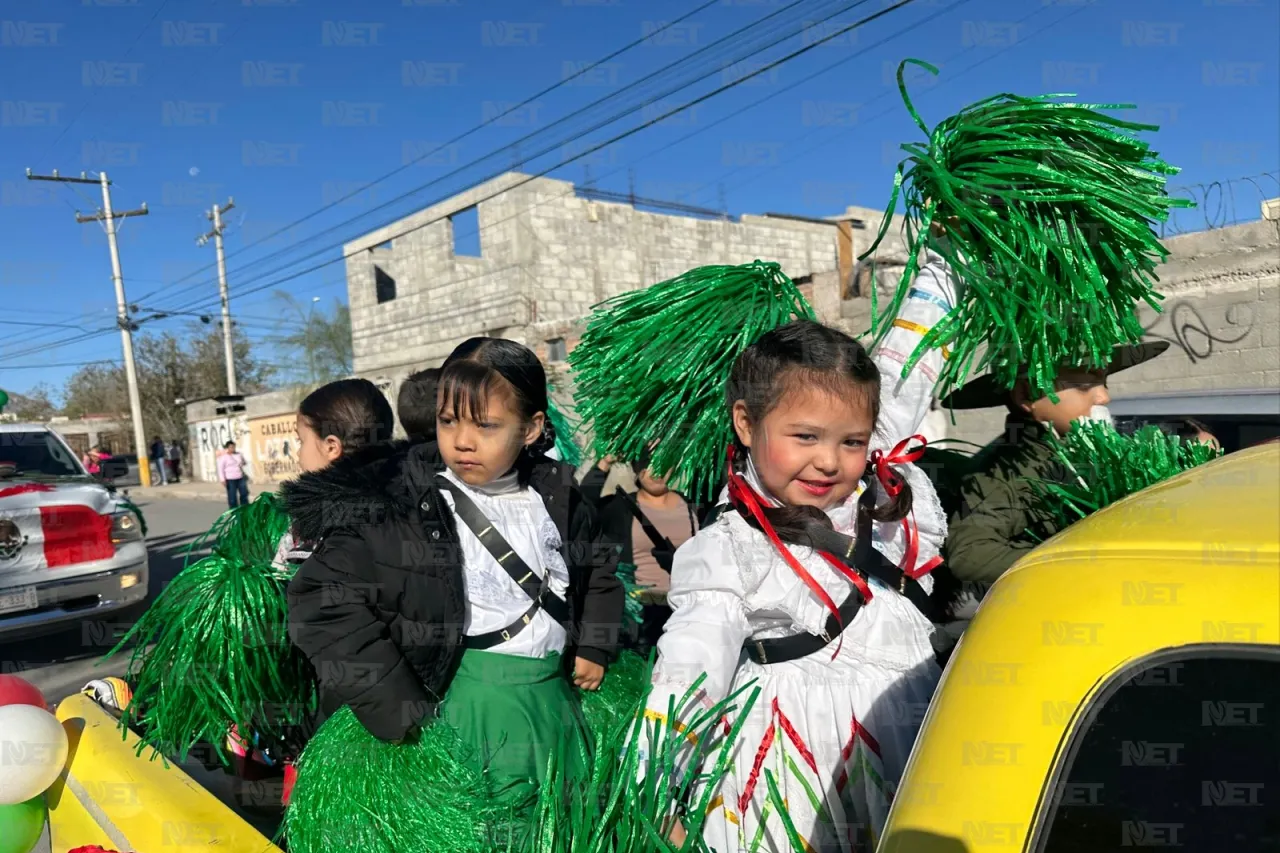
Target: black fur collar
361,486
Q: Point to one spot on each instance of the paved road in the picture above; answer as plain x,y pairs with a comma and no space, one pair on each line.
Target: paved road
60,664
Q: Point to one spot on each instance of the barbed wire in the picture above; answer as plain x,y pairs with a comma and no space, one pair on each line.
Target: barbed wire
1220,203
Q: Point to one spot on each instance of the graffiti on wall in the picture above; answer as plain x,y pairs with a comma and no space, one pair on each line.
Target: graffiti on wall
1183,325
207,438
273,445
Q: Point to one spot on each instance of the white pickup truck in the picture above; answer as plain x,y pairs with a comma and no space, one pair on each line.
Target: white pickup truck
70,546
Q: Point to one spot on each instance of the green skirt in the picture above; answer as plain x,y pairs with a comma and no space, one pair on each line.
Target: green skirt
516,713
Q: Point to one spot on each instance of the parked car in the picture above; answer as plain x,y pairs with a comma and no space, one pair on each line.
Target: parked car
1237,418
1119,686
70,546
129,476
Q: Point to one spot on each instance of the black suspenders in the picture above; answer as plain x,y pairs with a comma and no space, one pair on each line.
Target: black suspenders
663,550
859,555
538,590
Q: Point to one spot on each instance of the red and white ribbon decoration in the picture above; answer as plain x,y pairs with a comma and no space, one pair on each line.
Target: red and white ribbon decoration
893,484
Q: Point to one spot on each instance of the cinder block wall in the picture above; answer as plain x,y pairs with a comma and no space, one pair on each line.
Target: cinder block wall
547,256
1221,315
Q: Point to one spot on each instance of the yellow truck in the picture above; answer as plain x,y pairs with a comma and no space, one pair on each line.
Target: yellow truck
1119,688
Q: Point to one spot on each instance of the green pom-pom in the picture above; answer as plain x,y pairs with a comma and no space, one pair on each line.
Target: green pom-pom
568,449
1102,466
212,650
633,609
1048,210
247,534
653,365
609,709
358,794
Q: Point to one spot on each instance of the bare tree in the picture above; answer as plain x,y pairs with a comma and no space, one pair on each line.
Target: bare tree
35,405
316,341
170,368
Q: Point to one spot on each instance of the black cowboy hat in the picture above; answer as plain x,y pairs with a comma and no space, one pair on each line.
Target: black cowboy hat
986,392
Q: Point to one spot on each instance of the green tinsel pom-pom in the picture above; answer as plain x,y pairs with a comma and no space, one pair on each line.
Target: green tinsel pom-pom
609,709
1047,210
568,449
358,794
1102,466
633,609
653,365
212,650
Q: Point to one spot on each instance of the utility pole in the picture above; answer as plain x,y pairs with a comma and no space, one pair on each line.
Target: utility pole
108,219
215,216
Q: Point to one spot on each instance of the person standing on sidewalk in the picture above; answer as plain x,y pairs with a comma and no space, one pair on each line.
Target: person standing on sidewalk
157,457
174,452
231,467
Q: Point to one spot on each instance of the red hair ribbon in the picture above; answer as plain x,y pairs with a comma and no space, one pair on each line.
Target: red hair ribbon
746,499
893,483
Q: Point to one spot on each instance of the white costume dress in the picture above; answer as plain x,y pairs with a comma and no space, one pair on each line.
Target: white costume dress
835,733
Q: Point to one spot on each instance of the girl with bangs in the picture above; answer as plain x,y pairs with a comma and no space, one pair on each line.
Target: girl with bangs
458,579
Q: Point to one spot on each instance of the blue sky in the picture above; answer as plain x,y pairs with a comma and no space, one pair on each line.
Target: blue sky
288,106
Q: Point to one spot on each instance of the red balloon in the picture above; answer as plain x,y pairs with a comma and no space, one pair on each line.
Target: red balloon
18,691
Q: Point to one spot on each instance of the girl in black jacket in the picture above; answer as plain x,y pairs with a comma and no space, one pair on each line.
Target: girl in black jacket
452,577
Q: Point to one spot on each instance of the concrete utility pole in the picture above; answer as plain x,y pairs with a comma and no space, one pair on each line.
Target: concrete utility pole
108,219
215,216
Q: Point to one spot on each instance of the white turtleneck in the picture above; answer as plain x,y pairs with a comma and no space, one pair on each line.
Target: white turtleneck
494,600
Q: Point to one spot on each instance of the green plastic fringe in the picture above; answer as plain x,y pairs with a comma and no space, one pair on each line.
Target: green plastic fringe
1102,466
609,709
212,651
565,428
653,365
360,795
633,609
1047,209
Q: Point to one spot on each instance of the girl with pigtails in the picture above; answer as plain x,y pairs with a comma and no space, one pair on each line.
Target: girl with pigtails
801,617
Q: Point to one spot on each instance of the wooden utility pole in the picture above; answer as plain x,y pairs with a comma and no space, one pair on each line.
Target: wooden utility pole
108,218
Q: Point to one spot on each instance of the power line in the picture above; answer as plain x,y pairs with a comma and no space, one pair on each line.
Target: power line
734,39
60,364
889,93
455,140
527,178
94,94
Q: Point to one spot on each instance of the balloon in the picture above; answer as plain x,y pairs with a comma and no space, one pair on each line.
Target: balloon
33,750
21,825
19,691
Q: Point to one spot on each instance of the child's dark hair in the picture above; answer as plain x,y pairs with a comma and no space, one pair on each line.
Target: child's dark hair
416,404
353,411
807,353
474,369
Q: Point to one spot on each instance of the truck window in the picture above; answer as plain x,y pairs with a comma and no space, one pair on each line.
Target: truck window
1179,752
35,454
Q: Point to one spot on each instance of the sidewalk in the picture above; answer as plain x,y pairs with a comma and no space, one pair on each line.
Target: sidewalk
191,490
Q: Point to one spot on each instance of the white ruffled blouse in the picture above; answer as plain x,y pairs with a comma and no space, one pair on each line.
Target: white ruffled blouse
494,600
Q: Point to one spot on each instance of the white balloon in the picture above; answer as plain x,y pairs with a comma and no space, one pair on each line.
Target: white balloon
33,751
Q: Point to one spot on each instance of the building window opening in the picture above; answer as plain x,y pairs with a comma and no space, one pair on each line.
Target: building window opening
384,285
465,225
556,351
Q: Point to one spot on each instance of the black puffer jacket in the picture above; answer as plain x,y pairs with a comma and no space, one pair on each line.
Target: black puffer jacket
379,607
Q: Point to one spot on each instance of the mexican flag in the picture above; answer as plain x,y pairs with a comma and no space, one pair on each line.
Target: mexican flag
44,527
